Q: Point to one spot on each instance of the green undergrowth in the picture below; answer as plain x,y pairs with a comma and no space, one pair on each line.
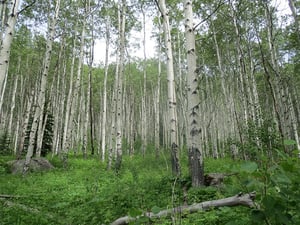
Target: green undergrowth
87,193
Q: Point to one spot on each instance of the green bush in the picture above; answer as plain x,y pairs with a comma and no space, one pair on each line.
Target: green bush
277,188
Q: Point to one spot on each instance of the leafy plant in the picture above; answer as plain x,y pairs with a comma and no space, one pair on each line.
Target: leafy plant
276,184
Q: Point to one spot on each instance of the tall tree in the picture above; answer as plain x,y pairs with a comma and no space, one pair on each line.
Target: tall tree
39,109
104,107
119,90
172,113
194,126
6,42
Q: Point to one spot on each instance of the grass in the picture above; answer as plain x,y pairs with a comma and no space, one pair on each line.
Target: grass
86,193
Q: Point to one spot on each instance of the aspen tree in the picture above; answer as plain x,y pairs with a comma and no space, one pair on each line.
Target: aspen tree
90,75
43,85
144,116
194,136
25,120
112,142
69,102
104,113
157,98
283,110
172,113
73,104
119,90
89,112
13,102
6,43
59,99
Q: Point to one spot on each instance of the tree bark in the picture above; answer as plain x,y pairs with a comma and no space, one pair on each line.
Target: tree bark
194,136
172,116
42,92
144,115
104,114
157,100
119,91
237,200
6,43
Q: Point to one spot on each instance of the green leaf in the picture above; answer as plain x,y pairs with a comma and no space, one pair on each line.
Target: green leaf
155,209
142,220
269,202
134,212
288,167
281,178
248,167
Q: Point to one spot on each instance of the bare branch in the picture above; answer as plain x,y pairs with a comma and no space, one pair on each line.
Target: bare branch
210,15
26,7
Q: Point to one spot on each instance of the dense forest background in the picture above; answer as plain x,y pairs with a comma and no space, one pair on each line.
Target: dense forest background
223,82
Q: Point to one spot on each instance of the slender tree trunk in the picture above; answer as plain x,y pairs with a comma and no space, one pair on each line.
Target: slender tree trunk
42,92
90,97
65,145
112,143
25,121
171,91
85,117
6,43
119,135
144,116
13,102
2,118
103,139
74,99
157,100
275,79
59,100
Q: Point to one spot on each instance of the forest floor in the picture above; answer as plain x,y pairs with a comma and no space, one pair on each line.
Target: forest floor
87,193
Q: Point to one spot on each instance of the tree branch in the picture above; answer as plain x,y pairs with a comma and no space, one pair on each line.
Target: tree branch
210,15
26,7
156,2
239,199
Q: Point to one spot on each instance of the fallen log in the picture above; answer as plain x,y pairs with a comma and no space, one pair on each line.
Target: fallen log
239,199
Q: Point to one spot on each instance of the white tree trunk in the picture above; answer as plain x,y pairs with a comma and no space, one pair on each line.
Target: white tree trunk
13,104
172,113
73,103
194,129
119,135
104,114
157,101
24,125
144,114
6,42
59,100
43,85
65,145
